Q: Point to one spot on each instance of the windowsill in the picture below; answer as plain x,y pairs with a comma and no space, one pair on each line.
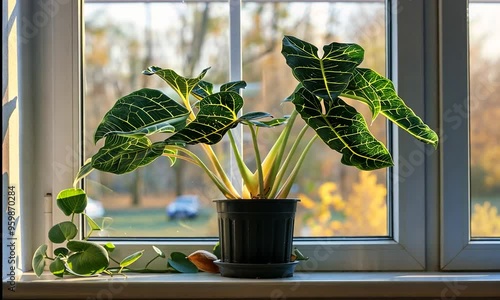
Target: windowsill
302,286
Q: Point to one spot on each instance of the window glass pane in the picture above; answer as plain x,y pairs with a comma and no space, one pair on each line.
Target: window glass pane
484,115
335,200
121,40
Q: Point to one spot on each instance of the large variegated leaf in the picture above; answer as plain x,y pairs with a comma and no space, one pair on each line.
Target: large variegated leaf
343,129
375,88
325,77
233,86
218,113
364,90
183,86
141,113
121,155
202,89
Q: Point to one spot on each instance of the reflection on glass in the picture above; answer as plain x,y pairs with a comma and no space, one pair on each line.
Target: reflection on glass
123,39
484,48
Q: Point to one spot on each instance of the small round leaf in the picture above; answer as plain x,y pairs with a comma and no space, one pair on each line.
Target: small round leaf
63,231
57,267
179,262
110,247
159,252
61,251
38,262
127,261
90,258
72,201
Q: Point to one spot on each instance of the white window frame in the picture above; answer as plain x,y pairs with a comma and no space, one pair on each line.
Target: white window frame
459,250
416,197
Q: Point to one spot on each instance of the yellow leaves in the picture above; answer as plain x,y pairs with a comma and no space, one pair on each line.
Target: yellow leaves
364,212
306,201
492,170
485,221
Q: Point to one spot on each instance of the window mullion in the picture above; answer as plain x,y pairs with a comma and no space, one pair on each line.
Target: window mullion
235,74
408,73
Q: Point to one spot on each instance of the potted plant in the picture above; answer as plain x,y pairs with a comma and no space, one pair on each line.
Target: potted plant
261,208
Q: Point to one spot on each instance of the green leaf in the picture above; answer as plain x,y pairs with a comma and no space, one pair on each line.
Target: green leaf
253,116
63,231
218,114
217,250
141,113
343,129
365,89
89,258
159,252
299,254
84,171
61,251
183,86
110,247
371,87
68,269
38,261
233,86
127,261
325,77
121,155
181,264
163,127
202,90
92,224
57,267
72,201
169,153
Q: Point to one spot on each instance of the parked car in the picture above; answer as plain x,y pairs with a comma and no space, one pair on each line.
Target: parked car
183,206
94,208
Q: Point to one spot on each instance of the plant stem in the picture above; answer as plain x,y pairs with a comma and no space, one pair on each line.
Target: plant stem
218,167
228,191
88,235
145,267
283,193
245,173
257,160
272,162
286,163
114,260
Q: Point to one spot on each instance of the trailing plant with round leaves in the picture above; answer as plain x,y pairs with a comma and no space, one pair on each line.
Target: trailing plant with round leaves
85,258
129,126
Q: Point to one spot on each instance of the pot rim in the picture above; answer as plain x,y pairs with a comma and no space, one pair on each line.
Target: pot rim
258,200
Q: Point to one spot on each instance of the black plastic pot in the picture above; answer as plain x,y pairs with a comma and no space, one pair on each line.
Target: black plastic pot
256,237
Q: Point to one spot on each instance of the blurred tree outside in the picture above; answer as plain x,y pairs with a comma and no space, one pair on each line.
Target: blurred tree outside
484,112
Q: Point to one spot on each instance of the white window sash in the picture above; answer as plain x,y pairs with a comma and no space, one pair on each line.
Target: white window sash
459,251
411,247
